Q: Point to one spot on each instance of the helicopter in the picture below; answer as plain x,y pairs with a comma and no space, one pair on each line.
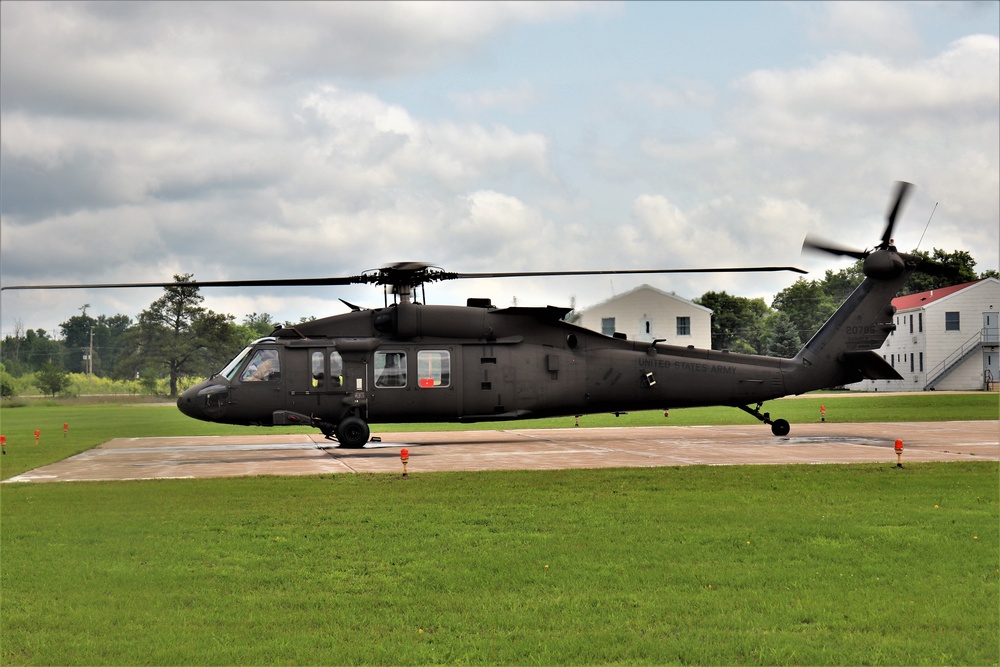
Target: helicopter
413,362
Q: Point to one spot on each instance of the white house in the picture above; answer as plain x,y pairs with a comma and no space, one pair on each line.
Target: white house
944,339
646,314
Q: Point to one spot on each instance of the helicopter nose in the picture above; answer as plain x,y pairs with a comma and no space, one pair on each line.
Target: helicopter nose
186,403
202,401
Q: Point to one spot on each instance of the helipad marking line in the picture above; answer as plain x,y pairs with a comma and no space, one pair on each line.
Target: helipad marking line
195,448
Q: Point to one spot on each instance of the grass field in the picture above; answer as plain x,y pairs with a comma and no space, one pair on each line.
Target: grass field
860,564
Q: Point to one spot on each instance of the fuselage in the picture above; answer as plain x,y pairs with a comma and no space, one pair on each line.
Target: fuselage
413,362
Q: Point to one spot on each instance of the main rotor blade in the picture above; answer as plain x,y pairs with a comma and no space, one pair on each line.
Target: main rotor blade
811,244
530,274
937,269
902,189
389,276
289,282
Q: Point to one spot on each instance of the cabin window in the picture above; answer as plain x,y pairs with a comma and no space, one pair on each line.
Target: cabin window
608,326
434,368
317,369
263,367
952,322
336,369
683,326
390,369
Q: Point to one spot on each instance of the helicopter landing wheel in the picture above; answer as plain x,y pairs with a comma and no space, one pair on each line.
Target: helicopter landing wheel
353,433
779,427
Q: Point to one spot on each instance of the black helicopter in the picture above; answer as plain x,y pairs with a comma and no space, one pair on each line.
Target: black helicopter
412,362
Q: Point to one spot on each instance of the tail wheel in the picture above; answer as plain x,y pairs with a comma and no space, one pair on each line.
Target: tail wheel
353,433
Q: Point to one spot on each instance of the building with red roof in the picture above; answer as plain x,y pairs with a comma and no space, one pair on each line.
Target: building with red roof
945,339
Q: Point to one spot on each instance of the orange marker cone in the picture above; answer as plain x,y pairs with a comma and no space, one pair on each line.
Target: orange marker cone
3,444
899,453
404,456
38,434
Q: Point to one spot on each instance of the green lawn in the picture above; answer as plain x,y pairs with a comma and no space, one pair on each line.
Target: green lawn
828,564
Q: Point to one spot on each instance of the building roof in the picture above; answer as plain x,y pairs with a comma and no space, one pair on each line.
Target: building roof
669,295
921,299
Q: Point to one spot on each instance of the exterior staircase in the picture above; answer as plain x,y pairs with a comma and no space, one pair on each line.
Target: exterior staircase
956,358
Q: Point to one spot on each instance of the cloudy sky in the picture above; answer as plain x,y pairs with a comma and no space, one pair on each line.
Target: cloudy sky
276,140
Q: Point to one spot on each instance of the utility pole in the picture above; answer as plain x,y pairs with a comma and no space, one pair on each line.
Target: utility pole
90,361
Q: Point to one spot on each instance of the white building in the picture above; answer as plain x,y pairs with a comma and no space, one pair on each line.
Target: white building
945,339
647,314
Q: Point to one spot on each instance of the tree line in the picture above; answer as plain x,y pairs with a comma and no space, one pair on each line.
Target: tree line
176,337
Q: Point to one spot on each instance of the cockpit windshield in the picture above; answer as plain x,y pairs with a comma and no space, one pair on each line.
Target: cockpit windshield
230,370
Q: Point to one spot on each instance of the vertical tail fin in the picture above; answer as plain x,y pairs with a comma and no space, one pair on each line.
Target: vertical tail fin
842,351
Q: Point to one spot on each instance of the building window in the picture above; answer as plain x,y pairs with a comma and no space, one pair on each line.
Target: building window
683,326
921,362
920,322
911,322
911,363
952,322
608,326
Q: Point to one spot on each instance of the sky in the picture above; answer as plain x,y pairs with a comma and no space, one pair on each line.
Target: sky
256,140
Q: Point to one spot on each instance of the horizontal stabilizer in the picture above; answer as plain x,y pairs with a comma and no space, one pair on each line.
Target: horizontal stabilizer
871,365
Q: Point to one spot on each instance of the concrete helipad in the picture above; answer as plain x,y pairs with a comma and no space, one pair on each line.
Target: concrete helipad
534,449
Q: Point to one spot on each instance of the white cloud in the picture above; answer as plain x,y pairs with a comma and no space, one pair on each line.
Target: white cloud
869,26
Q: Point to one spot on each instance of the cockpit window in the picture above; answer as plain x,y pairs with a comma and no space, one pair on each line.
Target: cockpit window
230,370
262,367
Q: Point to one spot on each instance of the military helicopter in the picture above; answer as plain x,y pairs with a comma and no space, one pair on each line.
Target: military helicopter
413,362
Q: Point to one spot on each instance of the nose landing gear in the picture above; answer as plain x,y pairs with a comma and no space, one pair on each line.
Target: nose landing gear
779,427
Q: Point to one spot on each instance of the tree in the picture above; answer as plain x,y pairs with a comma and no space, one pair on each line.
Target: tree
51,378
76,333
8,389
256,326
28,352
738,323
107,341
961,263
178,335
807,305
839,285
783,340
